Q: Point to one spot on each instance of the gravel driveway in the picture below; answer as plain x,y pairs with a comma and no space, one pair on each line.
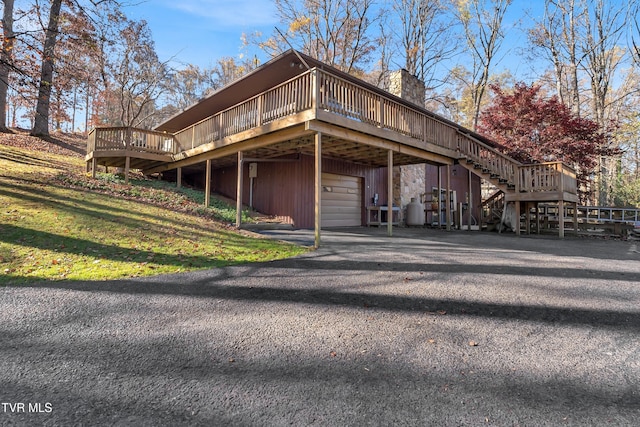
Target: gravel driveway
425,328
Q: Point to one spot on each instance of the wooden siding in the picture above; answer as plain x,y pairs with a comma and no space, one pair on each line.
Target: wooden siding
285,189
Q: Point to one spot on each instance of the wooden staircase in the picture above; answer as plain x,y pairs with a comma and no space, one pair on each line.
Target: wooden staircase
491,211
517,183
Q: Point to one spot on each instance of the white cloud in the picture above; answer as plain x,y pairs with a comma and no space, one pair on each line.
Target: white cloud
230,13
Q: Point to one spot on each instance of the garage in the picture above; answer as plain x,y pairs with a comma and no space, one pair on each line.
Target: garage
341,200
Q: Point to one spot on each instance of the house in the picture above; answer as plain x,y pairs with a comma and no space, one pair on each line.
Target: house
319,148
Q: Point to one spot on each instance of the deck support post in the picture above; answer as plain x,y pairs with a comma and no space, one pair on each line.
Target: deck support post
447,208
317,178
561,218
179,178
239,191
207,183
389,193
438,198
94,167
469,203
518,213
575,218
127,165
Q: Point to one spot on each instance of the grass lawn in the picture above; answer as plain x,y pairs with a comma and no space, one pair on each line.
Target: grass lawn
56,223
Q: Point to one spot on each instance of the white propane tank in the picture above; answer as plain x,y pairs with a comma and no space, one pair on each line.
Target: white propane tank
415,213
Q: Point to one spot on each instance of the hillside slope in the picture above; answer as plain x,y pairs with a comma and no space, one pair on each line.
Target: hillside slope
57,223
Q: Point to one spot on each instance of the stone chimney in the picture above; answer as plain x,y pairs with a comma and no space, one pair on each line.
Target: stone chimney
410,180
407,86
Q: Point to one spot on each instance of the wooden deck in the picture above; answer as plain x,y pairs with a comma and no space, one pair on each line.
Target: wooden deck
355,123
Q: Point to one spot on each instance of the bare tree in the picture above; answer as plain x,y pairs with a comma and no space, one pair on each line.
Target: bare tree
582,39
423,27
6,60
333,31
604,54
138,76
555,37
481,21
41,123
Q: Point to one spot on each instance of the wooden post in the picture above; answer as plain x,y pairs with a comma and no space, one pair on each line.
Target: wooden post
318,190
179,178
127,139
469,204
561,218
517,224
127,164
259,110
94,167
239,191
575,218
438,196
315,91
207,184
389,193
447,208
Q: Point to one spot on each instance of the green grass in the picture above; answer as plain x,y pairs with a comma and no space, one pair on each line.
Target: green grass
58,224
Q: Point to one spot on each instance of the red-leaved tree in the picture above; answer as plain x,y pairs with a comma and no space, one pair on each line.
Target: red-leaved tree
531,129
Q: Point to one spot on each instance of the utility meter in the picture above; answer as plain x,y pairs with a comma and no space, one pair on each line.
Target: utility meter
253,170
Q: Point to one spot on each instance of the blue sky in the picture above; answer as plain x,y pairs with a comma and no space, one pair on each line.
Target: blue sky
202,31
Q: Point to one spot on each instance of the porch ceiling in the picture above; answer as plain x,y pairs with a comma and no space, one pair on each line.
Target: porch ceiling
332,147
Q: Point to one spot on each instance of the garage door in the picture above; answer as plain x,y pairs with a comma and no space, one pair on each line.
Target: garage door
341,201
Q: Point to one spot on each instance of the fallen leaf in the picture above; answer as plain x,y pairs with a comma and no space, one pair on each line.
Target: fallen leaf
432,341
442,312
473,343
333,354
231,360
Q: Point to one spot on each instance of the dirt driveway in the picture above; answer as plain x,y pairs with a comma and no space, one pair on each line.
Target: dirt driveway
425,328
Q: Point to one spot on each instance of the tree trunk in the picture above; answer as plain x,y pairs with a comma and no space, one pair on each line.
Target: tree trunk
41,123
5,60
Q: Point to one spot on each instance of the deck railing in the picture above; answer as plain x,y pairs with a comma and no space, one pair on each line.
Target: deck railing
488,159
550,176
347,99
318,90
286,99
131,139
599,214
